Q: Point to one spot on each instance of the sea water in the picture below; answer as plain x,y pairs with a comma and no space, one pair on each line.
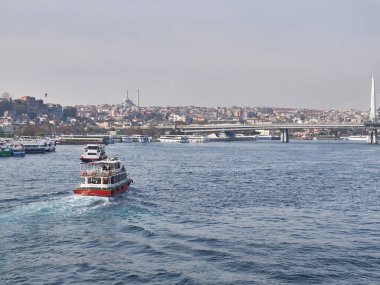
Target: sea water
217,213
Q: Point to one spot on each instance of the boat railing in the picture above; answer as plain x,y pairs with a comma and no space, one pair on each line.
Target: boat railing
94,186
101,172
97,173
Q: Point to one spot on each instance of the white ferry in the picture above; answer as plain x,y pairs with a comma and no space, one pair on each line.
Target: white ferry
49,145
36,144
126,139
93,152
173,139
197,139
140,138
18,150
221,136
32,145
243,137
104,178
355,138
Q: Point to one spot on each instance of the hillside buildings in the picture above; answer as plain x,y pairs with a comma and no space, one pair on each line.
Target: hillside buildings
28,110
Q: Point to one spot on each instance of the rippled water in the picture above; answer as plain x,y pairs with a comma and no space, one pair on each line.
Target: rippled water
216,213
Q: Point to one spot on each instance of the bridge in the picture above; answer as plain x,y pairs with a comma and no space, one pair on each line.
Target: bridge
284,128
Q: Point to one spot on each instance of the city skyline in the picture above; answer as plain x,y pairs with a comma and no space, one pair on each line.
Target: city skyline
317,55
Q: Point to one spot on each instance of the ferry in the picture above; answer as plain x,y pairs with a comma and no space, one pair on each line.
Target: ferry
104,178
197,139
83,139
221,136
141,138
34,146
244,137
49,145
5,151
271,137
18,150
126,139
355,138
173,139
93,152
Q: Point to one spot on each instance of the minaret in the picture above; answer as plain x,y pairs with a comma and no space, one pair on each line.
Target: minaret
127,94
138,98
372,114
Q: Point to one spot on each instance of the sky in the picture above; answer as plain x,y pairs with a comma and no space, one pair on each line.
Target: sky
317,54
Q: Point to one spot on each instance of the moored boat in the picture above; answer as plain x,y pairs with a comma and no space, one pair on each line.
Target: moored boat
49,145
104,178
126,139
244,137
33,146
355,138
93,152
140,138
83,139
173,139
197,138
5,151
18,150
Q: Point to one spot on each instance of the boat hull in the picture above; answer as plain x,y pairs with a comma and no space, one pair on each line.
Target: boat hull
103,192
6,153
34,150
87,159
19,153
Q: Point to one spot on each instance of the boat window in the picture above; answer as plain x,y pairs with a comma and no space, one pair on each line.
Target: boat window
94,180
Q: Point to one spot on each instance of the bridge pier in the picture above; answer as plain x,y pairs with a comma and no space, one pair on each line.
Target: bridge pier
285,135
372,136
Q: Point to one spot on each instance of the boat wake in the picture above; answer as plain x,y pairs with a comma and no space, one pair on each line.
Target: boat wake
54,207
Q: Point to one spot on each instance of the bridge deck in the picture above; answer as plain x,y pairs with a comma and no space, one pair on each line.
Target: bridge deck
240,127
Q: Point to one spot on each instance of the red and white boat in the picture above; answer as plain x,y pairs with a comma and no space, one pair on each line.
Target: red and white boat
104,178
93,152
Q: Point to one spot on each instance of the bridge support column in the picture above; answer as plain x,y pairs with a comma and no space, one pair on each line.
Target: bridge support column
372,136
285,135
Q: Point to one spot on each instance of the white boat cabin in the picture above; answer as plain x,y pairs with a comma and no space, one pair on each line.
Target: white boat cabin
103,174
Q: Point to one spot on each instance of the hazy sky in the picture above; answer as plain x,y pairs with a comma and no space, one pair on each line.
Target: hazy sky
286,53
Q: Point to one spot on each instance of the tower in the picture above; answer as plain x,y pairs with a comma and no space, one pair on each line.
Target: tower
372,114
138,98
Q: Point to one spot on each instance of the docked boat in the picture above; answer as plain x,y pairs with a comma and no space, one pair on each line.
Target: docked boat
197,139
243,137
83,139
93,152
5,150
173,139
126,139
141,138
271,137
221,136
355,138
34,146
104,178
18,150
49,145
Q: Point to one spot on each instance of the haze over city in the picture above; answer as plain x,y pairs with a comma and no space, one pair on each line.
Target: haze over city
308,54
